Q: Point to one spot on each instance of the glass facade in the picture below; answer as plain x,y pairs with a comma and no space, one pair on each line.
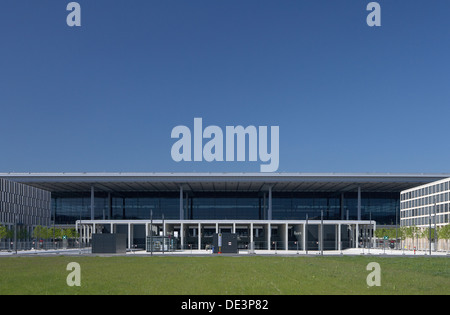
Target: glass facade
68,208
223,206
296,206
381,207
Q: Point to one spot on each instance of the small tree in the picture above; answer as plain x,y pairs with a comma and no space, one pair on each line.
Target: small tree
416,235
379,233
70,233
412,232
403,234
408,232
3,232
56,233
426,234
444,233
40,232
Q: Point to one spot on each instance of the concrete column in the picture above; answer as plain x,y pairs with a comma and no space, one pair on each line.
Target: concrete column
129,235
251,237
269,235
146,231
373,235
76,229
199,236
339,237
304,236
182,235
286,236
357,236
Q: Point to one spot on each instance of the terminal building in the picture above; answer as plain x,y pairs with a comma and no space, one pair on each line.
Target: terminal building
266,210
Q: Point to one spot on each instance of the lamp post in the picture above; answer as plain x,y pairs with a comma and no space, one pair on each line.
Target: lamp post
321,232
370,231
151,232
306,235
164,234
15,234
429,227
435,225
79,238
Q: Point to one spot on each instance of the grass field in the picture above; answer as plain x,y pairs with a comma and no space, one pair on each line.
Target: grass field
255,275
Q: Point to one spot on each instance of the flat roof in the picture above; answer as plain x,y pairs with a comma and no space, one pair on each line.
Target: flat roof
280,182
440,181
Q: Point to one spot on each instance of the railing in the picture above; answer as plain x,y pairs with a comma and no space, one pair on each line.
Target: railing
7,245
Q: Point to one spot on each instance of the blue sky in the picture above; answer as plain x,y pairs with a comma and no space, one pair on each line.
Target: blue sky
104,97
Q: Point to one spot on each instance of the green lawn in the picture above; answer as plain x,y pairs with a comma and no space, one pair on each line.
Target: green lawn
224,275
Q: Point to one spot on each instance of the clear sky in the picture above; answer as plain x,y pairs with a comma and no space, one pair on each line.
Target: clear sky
105,96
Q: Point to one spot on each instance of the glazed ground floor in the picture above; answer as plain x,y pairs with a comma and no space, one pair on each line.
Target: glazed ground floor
251,235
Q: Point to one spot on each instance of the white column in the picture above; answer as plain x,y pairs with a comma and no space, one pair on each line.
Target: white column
199,236
339,237
286,236
251,237
373,234
304,236
269,235
182,235
129,235
357,235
